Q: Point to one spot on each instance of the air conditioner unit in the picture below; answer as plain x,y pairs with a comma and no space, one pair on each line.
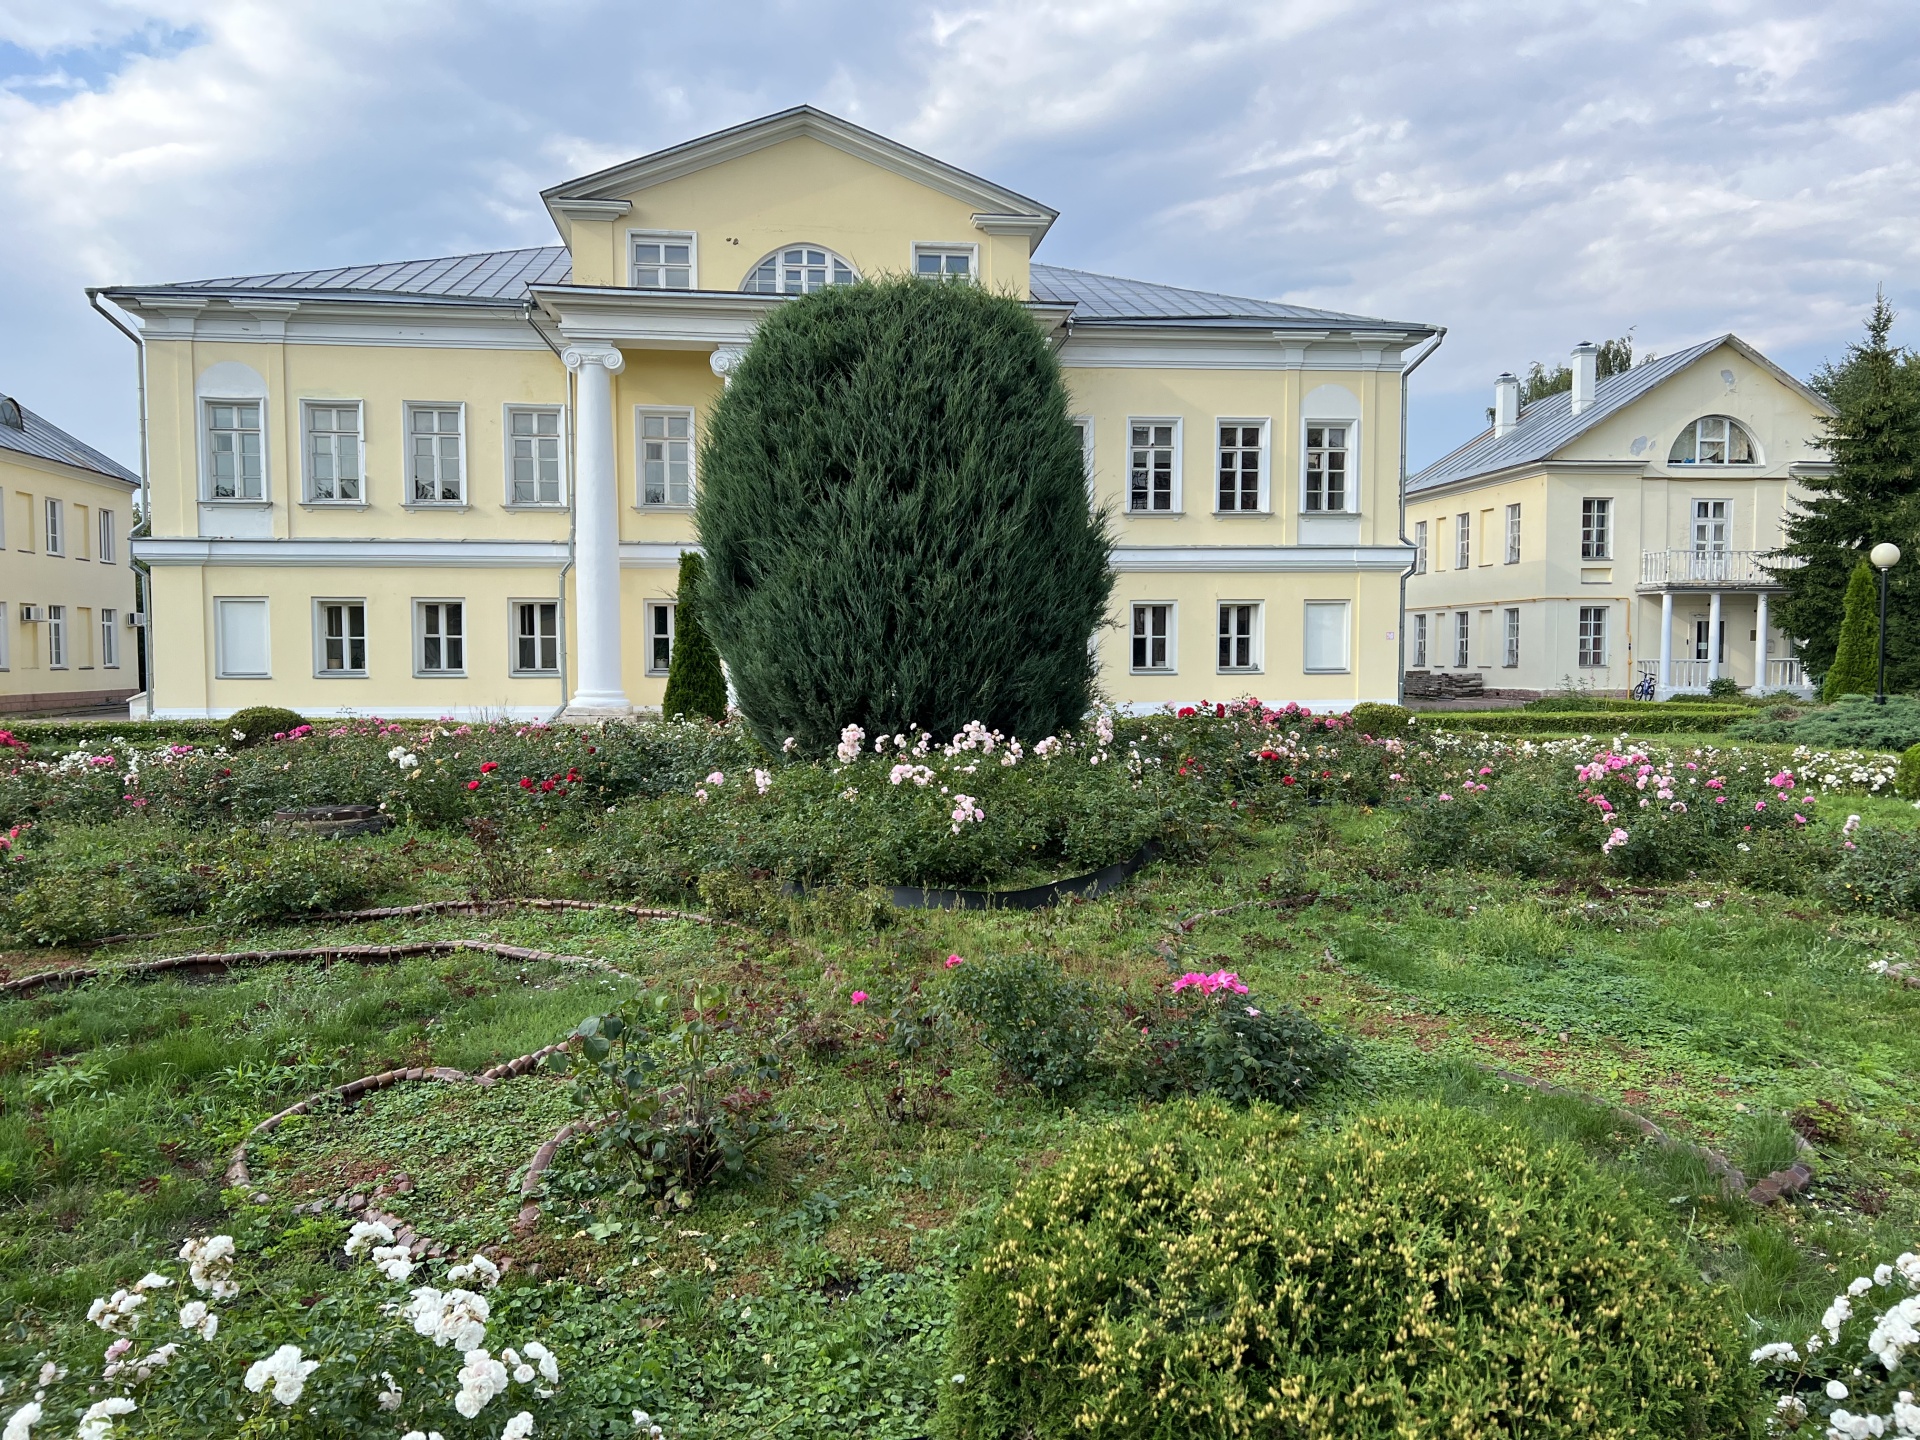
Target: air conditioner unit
136,619
30,615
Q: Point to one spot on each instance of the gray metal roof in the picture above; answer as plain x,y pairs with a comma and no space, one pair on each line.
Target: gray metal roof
48,441
1547,425
505,275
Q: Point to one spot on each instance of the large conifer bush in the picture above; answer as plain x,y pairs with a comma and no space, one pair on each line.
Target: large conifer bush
894,511
1856,656
696,686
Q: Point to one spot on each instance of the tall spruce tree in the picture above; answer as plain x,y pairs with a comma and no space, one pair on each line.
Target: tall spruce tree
1871,494
893,503
1856,659
695,684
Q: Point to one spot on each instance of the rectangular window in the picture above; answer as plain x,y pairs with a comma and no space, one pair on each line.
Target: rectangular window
663,262
1513,534
1709,525
106,547
236,460
1242,464
1239,643
1512,656
333,454
1703,640
660,618
666,457
1325,638
1327,457
435,455
1419,642
1593,636
1152,465
1153,637
536,637
57,637
1462,639
533,456
240,639
1083,428
56,539
109,640
1595,521
1420,547
943,262
440,637
342,637
1462,540
6,640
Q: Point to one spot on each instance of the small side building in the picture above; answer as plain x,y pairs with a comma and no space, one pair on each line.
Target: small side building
1622,531
67,591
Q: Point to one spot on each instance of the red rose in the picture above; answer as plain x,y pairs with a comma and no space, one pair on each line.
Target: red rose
1286,780
526,782
488,767
473,784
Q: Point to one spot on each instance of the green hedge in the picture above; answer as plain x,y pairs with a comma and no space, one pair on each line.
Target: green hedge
57,736
1637,720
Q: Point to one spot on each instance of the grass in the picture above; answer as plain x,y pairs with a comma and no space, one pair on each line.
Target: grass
814,1301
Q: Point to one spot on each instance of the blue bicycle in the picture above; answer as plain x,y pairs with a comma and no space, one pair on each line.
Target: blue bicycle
1645,690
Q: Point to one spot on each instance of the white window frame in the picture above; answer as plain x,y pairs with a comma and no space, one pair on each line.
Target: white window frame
507,437
1734,426
1350,501
1591,644
1345,607
104,549
421,670
1084,424
777,258
1513,533
1169,639
514,667
1419,547
1463,540
1510,658
1592,508
54,526
1263,496
207,404
109,640
57,658
640,416
1256,637
944,248
307,407
408,410
1463,639
654,609
663,237
1419,643
320,670
1705,522
222,663
1176,498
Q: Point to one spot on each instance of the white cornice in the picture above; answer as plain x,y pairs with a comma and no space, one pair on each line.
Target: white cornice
1170,347
1623,469
656,319
375,554
64,470
1034,227
653,554
318,321
575,208
1344,559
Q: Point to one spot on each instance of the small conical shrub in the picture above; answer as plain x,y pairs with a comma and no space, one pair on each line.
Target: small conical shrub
1856,661
695,684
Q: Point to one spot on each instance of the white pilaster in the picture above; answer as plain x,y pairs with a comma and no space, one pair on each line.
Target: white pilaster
1666,644
1713,638
1760,643
598,690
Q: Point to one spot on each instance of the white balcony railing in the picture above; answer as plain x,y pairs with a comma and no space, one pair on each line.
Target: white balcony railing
1685,675
1786,675
1706,569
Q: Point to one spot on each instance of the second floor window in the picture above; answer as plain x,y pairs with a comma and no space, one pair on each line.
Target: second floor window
1596,517
1327,457
1240,457
1153,637
436,474
56,528
533,456
663,262
1150,466
1709,525
333,453
666,457
236,468
1513,534
1462,540
943,262
799,270
106,538
1420,550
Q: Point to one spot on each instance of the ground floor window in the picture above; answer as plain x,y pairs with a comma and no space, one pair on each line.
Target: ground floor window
57,637
1324,636
1512,657
440,637
1238,641
1153,637
109,640
1462,639
1703,640
1419,642
1593,636
341,648
660,618
536,637
240,638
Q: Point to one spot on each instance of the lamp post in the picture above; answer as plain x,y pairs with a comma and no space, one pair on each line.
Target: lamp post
1885,556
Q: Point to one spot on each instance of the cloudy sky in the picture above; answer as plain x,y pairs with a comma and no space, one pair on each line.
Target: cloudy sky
1528,175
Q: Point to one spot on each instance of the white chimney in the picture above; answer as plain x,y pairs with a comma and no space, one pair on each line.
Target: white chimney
1586,374
1506,403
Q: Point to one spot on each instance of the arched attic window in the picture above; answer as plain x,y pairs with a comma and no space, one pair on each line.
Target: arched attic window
799,270
1714,440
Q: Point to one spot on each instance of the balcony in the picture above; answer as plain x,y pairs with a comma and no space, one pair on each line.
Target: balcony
1713,569
1690,677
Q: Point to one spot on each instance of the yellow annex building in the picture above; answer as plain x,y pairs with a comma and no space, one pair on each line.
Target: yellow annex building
66,585
1619,532
461,486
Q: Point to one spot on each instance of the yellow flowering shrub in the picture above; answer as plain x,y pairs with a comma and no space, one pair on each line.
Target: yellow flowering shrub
1422,1271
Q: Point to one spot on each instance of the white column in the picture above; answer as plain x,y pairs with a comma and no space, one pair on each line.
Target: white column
1666,642
1760,642
1713,638
597,685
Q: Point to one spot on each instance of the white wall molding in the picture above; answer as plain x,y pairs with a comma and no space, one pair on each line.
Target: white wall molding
1280,559
654,554
372,554
319,718
1164,347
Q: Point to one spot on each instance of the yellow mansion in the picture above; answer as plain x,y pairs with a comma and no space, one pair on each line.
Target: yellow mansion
462,486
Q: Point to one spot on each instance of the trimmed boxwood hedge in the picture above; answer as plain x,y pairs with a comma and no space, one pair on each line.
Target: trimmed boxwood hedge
1638,720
